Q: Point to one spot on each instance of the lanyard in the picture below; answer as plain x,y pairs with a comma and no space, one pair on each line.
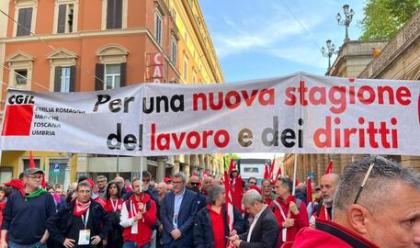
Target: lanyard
133,209
284,230
114,206
327,216
281,210
85,218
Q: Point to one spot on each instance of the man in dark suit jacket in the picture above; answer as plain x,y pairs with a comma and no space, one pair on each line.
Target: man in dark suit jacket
264,229
177,214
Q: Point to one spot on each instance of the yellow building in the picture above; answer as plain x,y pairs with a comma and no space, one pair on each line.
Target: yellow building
197,64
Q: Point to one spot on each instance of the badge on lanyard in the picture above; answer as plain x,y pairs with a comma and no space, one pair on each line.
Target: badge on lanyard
84,234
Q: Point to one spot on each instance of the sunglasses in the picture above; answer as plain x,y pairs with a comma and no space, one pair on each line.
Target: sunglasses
369,171
195,184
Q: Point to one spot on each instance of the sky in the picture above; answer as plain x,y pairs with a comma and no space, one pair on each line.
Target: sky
257,39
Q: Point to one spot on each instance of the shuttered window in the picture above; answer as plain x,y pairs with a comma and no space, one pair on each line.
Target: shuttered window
65,18
158,27
110,76
64,79
114,14
24,22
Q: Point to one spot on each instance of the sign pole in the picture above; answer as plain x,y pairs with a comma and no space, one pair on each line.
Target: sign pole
294,174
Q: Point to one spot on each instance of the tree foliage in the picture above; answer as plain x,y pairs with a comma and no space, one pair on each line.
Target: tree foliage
383,18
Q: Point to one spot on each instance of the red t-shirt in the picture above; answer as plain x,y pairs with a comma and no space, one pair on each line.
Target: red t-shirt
218,226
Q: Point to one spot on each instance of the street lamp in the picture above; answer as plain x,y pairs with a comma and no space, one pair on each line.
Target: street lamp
328,52
348,17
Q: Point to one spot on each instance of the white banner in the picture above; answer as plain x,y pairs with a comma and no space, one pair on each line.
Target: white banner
300,113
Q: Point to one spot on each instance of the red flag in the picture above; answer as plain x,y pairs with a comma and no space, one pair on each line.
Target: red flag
329,167
31,161
278,173
229,200
273,162
308,190
232,165
266,172
43,182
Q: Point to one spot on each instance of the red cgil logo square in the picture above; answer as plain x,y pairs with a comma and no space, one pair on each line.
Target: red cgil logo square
18,120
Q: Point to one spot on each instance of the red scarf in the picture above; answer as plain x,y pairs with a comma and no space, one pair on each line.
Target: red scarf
80,208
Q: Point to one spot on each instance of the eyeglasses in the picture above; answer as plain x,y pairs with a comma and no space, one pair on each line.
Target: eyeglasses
253,183
146,180
195,184
83,191
35,177
369,171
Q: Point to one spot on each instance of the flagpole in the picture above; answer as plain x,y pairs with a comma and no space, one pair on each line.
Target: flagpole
294,174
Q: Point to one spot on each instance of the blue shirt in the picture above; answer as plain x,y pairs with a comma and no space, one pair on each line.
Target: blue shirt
177,207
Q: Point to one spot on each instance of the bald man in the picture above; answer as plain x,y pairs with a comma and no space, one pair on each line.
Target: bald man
328,186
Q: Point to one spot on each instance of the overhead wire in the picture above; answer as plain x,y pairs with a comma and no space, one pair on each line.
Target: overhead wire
39,38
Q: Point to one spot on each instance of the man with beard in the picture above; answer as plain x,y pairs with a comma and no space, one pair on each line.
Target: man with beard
328,186
267,191
138,217
26,213
194,185
207,183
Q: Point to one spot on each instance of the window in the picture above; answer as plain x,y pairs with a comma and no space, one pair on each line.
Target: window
64,79
26,163
24,22
21,77
6,174
65,18
20,73
111,69
186,68
110,76
158,27
114,14
173,49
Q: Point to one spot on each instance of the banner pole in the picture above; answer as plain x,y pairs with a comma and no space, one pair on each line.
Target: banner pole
294,174
141,169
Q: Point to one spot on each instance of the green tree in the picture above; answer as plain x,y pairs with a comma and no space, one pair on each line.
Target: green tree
383,18
228,157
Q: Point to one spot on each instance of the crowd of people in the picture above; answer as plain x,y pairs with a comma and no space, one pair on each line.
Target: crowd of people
375,202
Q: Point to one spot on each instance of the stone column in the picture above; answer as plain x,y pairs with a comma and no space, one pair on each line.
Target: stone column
175,168
161,166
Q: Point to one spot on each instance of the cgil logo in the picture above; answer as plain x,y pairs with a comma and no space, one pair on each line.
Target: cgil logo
18,116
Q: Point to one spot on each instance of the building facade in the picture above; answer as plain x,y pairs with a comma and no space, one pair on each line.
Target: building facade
80,45
397,59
